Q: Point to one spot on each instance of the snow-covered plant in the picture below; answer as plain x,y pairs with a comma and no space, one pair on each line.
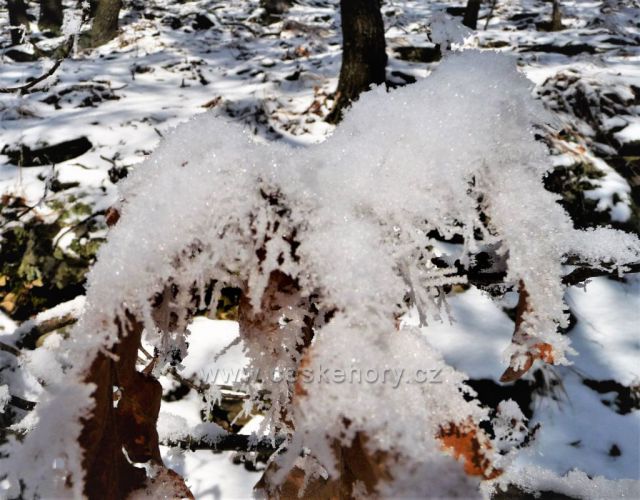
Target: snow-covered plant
331,246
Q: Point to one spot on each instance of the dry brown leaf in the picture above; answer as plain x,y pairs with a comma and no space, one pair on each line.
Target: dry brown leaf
469,442
358,467
9,302
212,103
112,216
127,426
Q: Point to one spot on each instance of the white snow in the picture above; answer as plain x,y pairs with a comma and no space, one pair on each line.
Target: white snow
4,397
607,336
211,476
357,200
360,204
575,484
631,133
173,428
509,426
577,429
207,340
476,321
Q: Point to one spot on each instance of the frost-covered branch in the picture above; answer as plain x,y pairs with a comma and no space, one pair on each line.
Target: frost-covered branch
582,274
579,275
324,243
60,316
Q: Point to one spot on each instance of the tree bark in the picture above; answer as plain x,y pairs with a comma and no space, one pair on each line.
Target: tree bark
105,22
51,15
17,17
93,8
556,16
471,14
364,56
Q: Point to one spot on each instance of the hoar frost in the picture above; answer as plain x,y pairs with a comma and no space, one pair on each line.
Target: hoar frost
345,226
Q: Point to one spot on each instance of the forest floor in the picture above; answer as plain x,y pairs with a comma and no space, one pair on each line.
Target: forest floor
173,60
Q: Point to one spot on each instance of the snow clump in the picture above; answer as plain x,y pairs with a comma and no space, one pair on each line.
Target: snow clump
350,223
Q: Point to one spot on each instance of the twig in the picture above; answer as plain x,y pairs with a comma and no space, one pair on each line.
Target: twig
199,388
32,331
490,15
35,81
575,277
28,208
68,46
22,404
582,274
145,352
112,161
10,349
228,393
230,442
76,226
20,435
235,23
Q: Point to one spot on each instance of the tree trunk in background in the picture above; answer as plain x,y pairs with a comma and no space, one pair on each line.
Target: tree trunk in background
556,16
17,17
50,15
274,9
364,56
93,7
471,14
105,22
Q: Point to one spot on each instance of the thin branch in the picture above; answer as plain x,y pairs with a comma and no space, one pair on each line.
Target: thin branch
35,81
199,388
575,277
23,404
20,435
10,349
582,274
490,15
480,279
30,331
28,208
228,393
253,31
230,442
67,46
76,226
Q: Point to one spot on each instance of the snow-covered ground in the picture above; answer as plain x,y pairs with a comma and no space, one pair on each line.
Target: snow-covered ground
169,64
580,428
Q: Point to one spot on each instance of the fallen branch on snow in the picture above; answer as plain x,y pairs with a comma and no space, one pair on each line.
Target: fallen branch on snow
230,442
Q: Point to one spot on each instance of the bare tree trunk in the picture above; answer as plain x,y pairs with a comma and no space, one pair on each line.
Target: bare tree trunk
17,17
105,22
471,14
556,16
364,56
51,15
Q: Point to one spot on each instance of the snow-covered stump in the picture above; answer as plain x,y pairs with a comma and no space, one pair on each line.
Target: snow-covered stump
331,246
